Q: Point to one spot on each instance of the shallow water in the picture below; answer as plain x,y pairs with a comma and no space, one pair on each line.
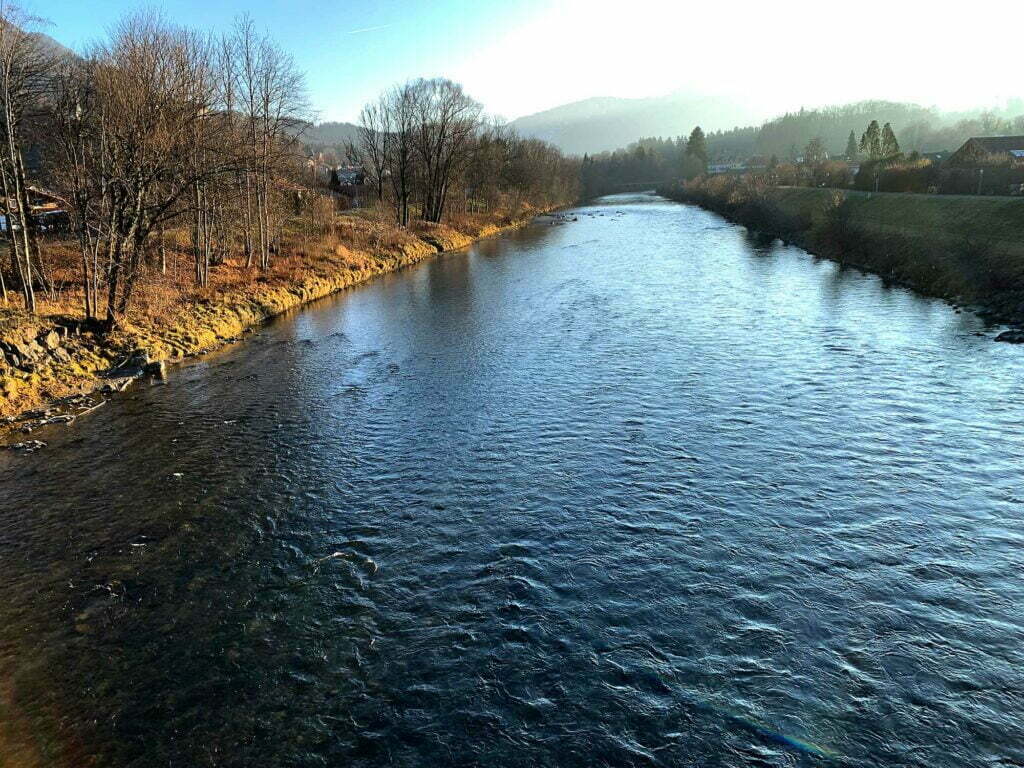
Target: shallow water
636,489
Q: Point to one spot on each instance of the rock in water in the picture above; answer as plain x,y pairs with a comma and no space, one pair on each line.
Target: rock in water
1011,337
157,368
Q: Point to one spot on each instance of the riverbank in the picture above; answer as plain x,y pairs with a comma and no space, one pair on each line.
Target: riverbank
968,250
49,361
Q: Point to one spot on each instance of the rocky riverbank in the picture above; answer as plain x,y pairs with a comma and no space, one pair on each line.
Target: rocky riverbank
55,368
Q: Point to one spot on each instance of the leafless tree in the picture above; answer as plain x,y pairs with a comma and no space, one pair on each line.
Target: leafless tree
446,124
371,149
25,69
271,98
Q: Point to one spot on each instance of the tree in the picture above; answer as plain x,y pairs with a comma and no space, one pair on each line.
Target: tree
814,153
25,70
446,121
371,150
851,147
871,142
272,102
398,122
335,183
890,147
697,148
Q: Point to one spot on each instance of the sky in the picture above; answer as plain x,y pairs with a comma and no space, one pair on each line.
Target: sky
522,56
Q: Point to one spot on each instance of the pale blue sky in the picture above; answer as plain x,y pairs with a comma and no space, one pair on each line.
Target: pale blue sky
522,56
349,50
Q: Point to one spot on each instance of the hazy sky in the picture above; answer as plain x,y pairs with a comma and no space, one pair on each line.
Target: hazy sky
522,56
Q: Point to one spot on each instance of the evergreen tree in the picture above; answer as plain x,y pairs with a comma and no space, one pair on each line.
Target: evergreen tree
851,147
890,147
335,183
871,142
697,148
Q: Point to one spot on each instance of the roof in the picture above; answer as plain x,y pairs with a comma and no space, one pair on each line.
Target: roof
998,145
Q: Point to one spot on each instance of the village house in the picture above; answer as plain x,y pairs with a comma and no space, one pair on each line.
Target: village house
983,151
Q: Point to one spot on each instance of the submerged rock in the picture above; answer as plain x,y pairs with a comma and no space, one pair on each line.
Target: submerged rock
29,446
1011,337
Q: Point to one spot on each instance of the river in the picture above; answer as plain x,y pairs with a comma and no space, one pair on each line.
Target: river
633,489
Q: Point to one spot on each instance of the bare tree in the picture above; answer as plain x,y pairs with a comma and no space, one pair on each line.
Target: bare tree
155,112
372,148
271,94
25,68
446,123
398,120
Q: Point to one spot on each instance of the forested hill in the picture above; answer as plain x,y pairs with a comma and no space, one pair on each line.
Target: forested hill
330,134
601,125
917,128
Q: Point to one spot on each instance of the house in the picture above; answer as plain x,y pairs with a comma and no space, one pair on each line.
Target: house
350,175
45,208
989,150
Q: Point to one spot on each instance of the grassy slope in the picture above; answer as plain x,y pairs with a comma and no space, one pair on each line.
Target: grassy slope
999,220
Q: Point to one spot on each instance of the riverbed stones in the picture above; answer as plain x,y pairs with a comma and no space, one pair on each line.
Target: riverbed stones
50,341
28,446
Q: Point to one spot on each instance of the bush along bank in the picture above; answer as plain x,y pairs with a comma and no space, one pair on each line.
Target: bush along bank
55,367
966,250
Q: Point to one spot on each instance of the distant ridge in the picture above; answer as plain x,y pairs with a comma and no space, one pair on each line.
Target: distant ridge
606,123
329,134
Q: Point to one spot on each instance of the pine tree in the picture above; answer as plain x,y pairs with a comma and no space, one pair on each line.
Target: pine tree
697,147
335,183
871,142
890,147
851,147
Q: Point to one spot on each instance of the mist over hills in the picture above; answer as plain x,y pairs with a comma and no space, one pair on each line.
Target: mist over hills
606,123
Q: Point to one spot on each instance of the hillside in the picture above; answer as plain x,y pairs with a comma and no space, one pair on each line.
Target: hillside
917,128
330,134
605,123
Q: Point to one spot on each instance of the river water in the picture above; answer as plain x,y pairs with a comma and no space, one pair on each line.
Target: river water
634,489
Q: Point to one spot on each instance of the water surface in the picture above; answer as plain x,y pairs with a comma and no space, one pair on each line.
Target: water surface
636,489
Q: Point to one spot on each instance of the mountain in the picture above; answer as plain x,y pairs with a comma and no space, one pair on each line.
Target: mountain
606,123
52,48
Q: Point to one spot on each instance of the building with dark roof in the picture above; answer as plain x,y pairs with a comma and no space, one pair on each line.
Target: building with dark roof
989,150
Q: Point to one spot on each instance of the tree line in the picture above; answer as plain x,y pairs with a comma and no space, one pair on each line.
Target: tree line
162,133
427,148
653,161
917,129
156,126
